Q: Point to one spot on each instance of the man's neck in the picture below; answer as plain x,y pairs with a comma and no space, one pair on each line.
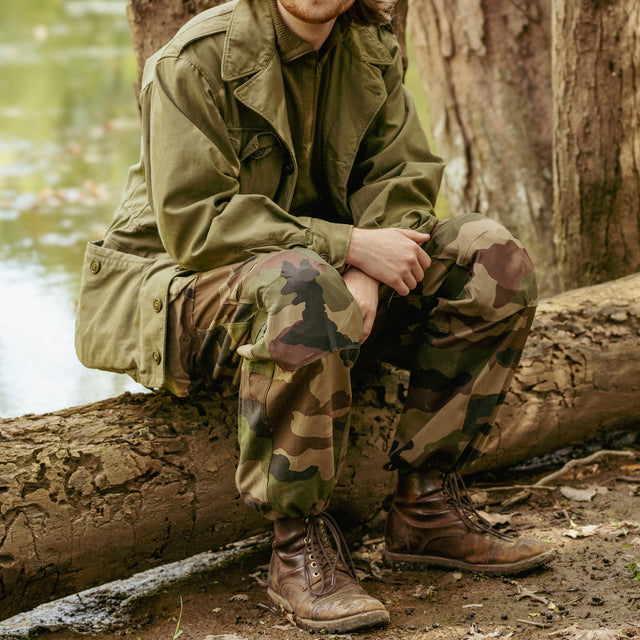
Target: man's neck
315,34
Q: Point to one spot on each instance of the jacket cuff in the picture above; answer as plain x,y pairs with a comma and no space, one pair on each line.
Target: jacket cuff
330,241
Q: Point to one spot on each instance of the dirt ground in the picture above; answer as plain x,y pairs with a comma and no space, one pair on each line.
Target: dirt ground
591,591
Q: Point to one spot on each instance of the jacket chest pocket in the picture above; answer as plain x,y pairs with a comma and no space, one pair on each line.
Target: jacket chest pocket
261,161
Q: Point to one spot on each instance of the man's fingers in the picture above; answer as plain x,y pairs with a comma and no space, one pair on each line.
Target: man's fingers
421,254
417,273
400,287
414,235
424,259
367,325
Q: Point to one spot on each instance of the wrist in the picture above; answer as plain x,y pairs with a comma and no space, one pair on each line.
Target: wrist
352,256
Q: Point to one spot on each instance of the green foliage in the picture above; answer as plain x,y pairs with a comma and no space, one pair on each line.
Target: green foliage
178,631
633,565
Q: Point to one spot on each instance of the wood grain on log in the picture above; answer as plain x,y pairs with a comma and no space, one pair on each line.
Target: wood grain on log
99,492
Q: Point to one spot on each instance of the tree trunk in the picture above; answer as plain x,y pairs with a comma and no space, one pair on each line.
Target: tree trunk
154,22
99,492
596,64
486,69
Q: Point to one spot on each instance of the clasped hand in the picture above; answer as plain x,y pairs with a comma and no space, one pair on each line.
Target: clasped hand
390,256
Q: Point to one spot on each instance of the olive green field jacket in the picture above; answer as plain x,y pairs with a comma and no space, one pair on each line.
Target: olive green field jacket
217,174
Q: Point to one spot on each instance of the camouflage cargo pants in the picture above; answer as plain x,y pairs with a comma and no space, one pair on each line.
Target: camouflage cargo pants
284,329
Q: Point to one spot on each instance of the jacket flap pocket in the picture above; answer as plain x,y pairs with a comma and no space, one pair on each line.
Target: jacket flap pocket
121,315
259,145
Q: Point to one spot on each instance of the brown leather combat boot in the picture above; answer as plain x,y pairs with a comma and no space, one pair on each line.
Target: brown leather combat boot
311,579
432,521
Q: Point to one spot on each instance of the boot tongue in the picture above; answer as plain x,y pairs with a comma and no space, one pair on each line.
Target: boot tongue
328,554
455,493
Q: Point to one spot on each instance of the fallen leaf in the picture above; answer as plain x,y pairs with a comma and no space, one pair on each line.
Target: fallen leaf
283,627
448,578
378,572
582,532
479,498
476,633
496,518
630,468
239,597
573,633
582,495
420,592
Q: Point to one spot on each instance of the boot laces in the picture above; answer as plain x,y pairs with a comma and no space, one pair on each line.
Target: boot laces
455,492
325,553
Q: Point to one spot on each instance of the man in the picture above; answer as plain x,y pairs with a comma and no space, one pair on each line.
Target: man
281,219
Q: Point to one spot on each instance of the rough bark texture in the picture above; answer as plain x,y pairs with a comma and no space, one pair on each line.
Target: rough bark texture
154,22
596,83
399,22
579,376
486,71
99,492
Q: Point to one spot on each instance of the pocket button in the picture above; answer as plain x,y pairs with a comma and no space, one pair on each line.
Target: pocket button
94,267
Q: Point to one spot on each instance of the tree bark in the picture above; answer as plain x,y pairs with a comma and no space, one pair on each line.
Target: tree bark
154,22
596,65
486,70
99,492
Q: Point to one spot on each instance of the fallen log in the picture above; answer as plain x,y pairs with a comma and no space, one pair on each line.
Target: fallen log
96,493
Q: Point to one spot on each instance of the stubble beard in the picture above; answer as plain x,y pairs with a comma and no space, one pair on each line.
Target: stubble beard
317,11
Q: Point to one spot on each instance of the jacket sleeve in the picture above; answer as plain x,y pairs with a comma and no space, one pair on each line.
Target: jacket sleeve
192,179
395,179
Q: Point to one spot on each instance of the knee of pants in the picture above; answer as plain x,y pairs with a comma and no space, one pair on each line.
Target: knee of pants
502,274
310,311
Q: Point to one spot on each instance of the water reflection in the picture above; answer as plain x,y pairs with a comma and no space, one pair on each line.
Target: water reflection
68,131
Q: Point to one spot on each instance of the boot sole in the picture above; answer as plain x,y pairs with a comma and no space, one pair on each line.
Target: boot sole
511,568
341,625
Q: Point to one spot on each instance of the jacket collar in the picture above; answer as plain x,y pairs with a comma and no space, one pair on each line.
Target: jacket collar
250,42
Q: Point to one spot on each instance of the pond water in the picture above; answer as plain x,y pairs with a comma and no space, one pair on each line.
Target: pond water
68,131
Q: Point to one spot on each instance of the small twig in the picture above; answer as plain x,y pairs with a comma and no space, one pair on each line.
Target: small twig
527,593
267,607
535,624
543,482
521,496
508,487
581,461
258,579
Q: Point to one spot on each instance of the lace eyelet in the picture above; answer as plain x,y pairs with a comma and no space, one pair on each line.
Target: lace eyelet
316,574
314,564
310,556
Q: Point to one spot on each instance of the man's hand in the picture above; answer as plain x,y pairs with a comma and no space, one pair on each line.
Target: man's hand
392,256
364,289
